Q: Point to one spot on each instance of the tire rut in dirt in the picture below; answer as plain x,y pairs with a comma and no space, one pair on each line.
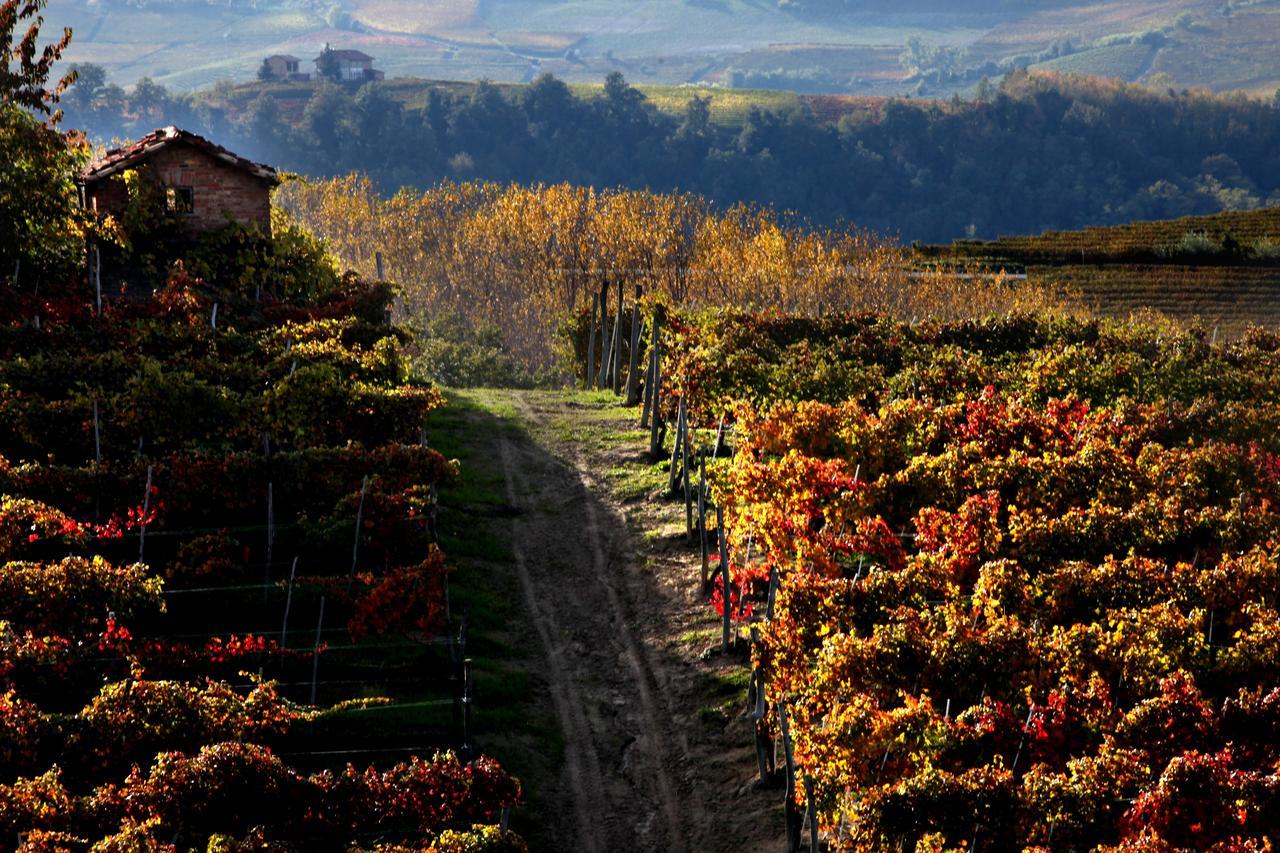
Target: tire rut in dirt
620,752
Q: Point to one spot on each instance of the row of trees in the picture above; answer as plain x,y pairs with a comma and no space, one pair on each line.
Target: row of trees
1040,151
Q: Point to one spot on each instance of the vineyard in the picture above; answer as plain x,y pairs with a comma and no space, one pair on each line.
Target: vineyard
1010,584
1221,270
524,260
225,617
1230,237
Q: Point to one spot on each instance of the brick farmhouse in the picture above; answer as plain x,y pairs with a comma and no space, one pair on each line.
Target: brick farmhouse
202,181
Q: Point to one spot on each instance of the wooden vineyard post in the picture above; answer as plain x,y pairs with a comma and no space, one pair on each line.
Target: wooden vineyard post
726,580
604,334
673,470
655,406
617,344
315,652
773,592
702,516
811,812
633,379
468,688
146,507
377,262
759,707
97,436
608,379
688,481
271,540
591,347
647,394
97,276
433,517
288,602
794,817
355,547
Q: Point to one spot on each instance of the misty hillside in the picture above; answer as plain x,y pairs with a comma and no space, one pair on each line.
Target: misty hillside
871,47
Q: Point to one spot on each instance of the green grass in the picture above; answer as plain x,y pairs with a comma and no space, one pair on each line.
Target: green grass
635,482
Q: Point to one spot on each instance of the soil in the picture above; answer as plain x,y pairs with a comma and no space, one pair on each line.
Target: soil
658,753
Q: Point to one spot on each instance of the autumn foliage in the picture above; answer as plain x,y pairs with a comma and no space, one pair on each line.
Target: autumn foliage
526,258
1027,573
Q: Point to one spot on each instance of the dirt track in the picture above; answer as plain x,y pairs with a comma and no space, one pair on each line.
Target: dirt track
640,770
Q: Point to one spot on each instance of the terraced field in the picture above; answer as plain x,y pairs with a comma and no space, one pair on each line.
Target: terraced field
1227,299
1252,231
1222,269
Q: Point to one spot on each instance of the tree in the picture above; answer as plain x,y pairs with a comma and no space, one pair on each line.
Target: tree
90,80
264,71
25,70
327,64
40,220
148,99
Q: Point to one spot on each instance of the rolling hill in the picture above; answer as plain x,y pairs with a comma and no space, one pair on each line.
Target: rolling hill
824,47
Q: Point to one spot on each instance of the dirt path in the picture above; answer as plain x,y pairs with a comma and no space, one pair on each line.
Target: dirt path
622,770
609,613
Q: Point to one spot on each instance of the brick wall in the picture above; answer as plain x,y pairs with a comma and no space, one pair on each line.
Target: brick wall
218,190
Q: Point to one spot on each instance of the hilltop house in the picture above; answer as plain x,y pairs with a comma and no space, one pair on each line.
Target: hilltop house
205,182
348,65
281,66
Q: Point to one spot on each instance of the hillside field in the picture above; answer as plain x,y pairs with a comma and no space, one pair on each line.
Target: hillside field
712,42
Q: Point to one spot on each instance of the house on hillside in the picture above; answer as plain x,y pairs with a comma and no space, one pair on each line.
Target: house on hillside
202,181
346,65
281,66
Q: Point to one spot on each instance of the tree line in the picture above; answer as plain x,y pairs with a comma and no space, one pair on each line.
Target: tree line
1038,151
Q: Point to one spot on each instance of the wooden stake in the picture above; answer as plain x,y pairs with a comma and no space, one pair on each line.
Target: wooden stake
589,381
213,318
146,507
315,653
97,438
702,516
97,276
726,580
468,686
773,592
355,546
688,481
633,378
377,260
604,334
656,400
811,811
793,818
271,540
617,344
675,448
648,391
288,602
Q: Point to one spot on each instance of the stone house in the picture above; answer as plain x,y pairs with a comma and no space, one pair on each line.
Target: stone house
352,65
285,67
202,181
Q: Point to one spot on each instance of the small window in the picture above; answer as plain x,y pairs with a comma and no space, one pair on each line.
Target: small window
179,199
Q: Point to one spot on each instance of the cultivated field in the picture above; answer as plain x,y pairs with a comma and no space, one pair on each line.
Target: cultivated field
673,41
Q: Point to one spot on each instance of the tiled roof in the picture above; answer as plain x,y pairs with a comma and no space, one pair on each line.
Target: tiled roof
286,57
119,159
351,55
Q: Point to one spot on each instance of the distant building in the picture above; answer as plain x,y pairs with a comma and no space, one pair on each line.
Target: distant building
202,181
281,66
349,65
